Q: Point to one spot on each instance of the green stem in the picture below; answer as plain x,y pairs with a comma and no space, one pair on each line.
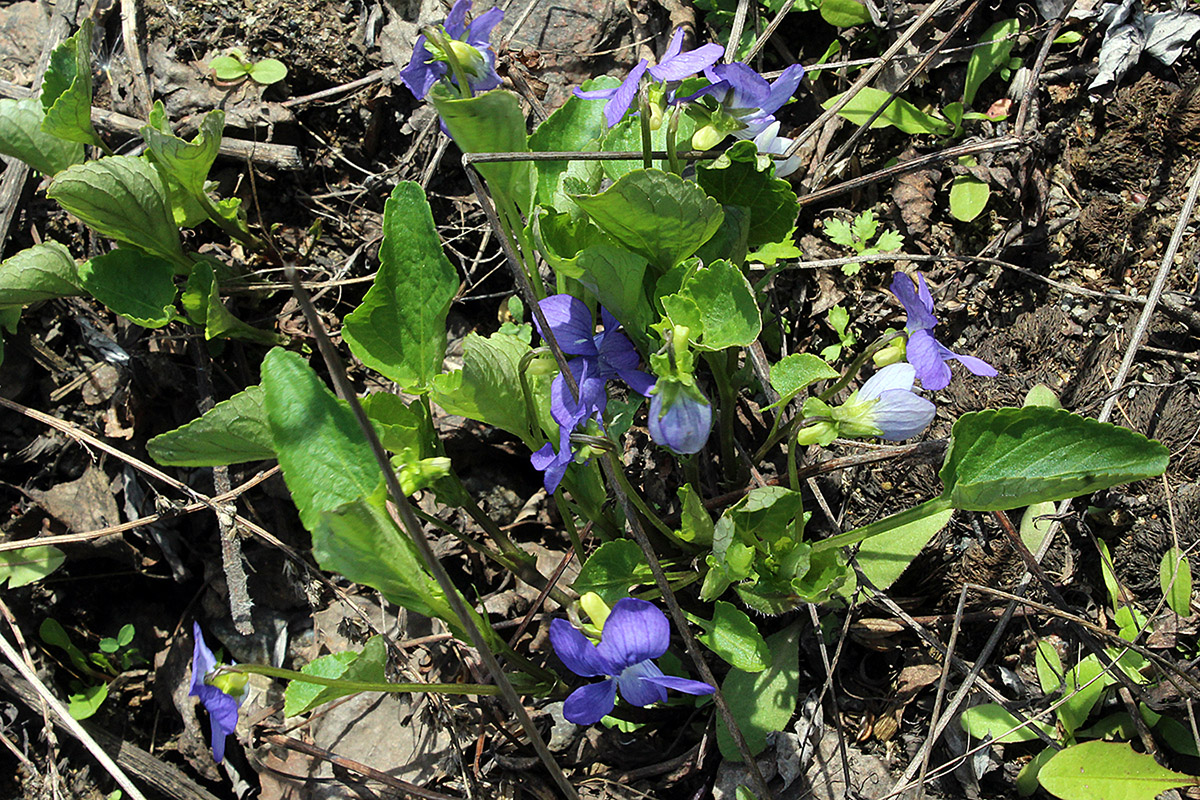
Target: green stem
855,367
644,117
366,686
568,518
672,130
643,508
460,77
914,514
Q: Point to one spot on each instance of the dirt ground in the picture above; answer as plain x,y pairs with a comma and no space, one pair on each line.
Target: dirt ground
1047,285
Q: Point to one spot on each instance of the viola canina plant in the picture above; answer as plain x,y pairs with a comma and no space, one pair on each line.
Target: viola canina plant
654,387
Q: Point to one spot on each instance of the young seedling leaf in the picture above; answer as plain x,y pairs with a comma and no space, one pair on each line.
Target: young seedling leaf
41,272
229,69
1083,685
22,137
655,214
1011,457
989,56
992,720
1036,522
134,284
23,567
764,701
1049,667
67,89
1108,771
85,703
268,71
844,13
968,197
231,432
900,113
123,198
884,558
1175,577
399,330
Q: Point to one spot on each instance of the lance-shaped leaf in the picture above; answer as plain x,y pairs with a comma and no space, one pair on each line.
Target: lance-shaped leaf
655,214
41,272
123,198
899,113
763,702
67,89
1012,457
201,300
400,328
22,137
231,432
742,177
136,285
325,459
1108,771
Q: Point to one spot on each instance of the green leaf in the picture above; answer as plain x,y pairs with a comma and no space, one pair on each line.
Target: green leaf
1011,457
888,241
488,387
268,71
840,233
742,177
67,89
1049,667
734,637
719,301
884,558
1083,685
187,163
365,666
968,197
1042,395
136,285
492,122
695,524
796,372
325,459
1108,771
84,704
900,113
400,328
23,567
123,198
864,226
576,125
125,635
22,137
53,633
764,701
1036,522
398,425
228,68
613,570
844,13
988,56
201,300
1175,577
615,276
361,541
1027,778
993,720
231,432
655,214
561,238
41,272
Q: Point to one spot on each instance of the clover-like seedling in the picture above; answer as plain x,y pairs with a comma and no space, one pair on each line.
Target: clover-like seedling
858,236
234,67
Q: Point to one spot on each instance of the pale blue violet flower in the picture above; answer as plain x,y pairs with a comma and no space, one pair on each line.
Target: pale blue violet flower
675,66
747,101
634,633
886,406
601,357
769,142
471,47
680,416
221,701
924,352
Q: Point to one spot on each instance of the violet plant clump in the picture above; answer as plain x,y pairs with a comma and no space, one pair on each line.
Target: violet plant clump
221,693
634,634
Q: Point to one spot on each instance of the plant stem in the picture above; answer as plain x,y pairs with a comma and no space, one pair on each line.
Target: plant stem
672,130
366,686
855,367
644,118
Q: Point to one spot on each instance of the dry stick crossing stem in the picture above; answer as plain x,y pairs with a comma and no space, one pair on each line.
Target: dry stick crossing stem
611,465
412,525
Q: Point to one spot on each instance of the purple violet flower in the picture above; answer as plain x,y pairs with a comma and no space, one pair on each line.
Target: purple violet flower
746,96
924,352
601,357
222,707
680,417
634,634
675,66
895,411
472,48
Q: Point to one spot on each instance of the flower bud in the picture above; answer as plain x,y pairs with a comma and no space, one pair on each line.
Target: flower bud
680,417
707,137
893,353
